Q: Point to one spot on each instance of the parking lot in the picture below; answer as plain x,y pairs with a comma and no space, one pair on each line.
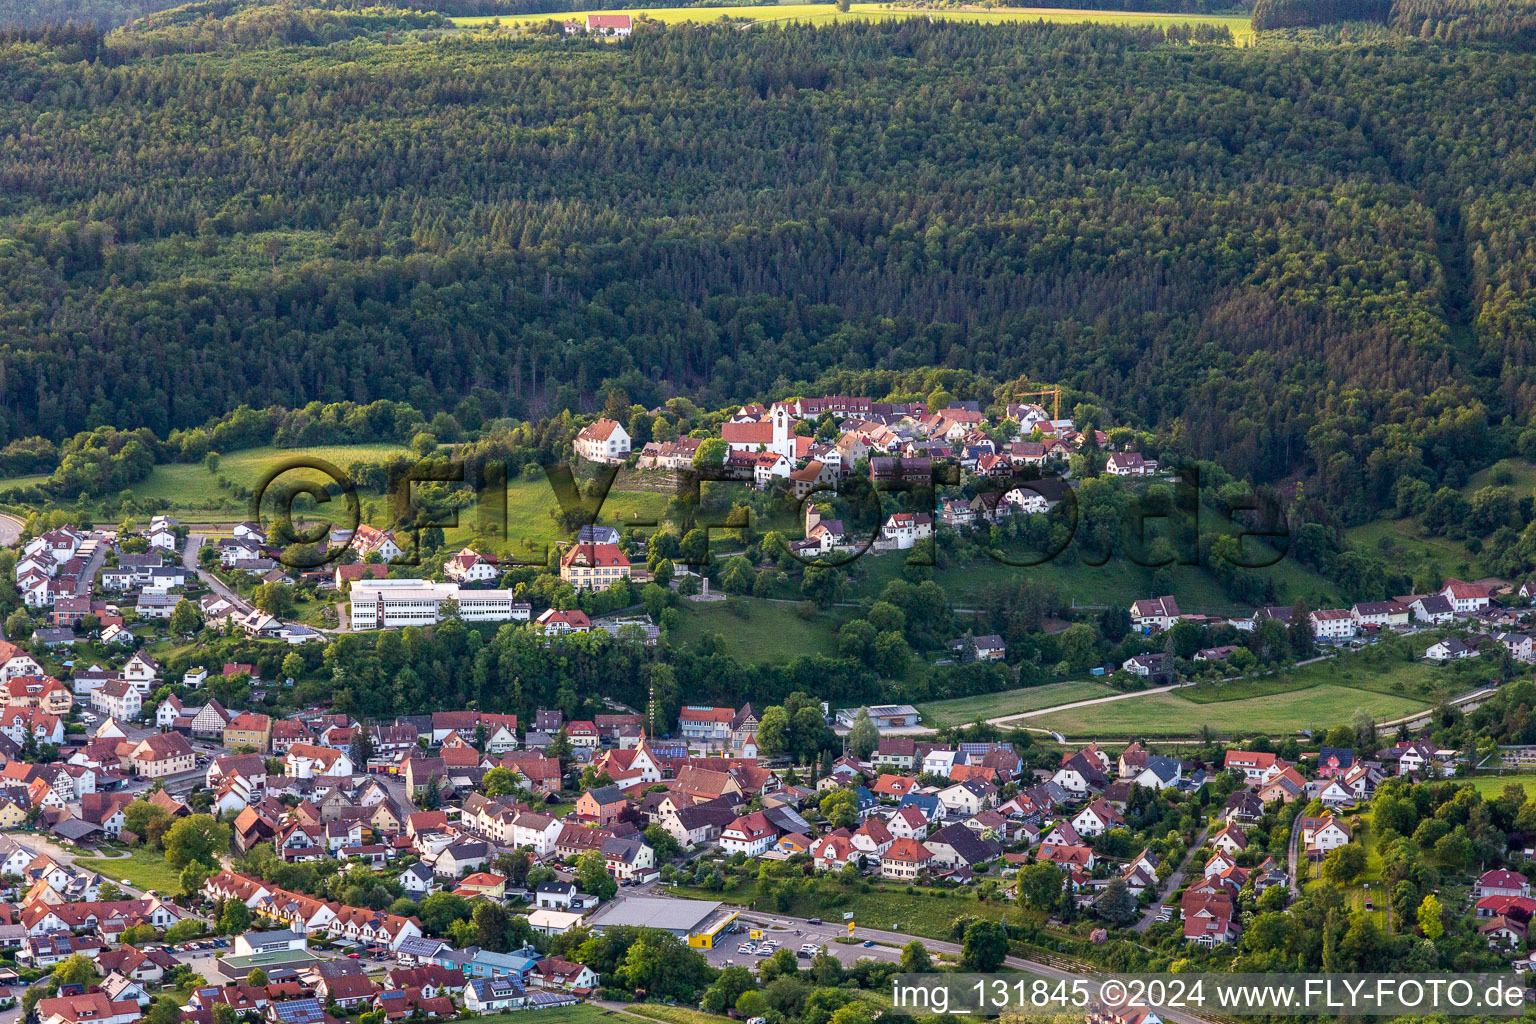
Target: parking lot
823,935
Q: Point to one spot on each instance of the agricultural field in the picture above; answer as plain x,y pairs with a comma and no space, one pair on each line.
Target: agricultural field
1278,714
964,710
1240,26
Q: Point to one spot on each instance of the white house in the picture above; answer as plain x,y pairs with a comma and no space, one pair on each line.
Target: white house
1466,598
1154,613
1333,624
1320,835
1383,614
1130,464
1097,818
750,834
605,441
1449,649
904,529
469,566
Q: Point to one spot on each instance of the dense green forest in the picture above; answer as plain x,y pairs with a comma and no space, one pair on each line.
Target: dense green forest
100,13
1292,259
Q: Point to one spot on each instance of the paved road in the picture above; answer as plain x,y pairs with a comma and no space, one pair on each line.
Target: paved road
10,529
212,582
92,566
894,940
1467,702
1172,885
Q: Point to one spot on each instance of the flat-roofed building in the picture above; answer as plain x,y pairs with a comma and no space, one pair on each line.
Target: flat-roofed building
700,922
387,604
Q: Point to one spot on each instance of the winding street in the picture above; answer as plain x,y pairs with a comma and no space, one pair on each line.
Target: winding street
10,529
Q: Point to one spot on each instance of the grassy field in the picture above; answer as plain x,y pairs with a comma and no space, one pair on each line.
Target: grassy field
1492,786
1381,668
1241,28
34,480
1444,556
963,710
770,632
928,913
583,1014
530,504
1173,715
143,868
1116,582
194,495
1369,885
676,1014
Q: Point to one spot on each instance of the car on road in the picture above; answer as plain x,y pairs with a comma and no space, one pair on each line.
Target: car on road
353,956
869,943
814,920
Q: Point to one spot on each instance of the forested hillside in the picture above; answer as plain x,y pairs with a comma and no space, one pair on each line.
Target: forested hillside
1292,259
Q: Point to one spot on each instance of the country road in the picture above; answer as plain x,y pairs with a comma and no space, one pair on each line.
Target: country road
10,529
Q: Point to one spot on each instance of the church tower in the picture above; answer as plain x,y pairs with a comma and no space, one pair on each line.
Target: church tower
783,436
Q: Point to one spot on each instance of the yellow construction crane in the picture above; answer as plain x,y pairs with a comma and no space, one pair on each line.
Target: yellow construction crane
1055,392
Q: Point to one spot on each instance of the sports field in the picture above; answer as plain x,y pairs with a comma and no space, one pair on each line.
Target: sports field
1241,28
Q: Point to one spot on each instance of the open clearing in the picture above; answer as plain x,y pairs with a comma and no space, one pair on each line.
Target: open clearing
1171,714
1492,786
1240,26
143,868
531,525
964,710
770,631
582,1014
192,494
